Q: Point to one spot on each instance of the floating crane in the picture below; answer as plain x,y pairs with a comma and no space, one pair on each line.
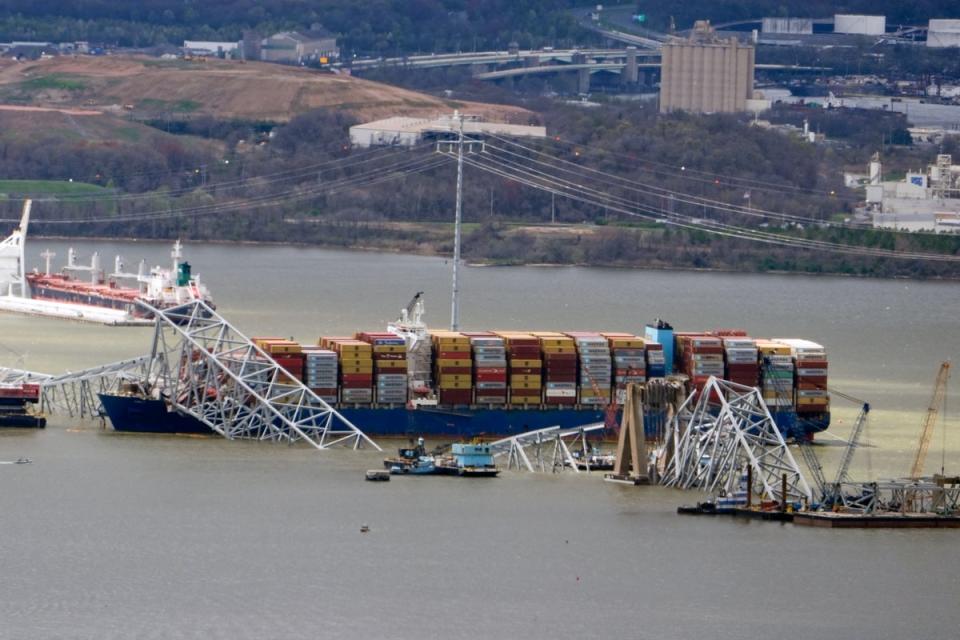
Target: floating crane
930,419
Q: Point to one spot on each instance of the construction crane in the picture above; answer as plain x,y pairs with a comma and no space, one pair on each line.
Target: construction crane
829,493
930,419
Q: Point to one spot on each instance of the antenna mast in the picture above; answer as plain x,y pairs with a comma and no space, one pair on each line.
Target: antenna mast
455,302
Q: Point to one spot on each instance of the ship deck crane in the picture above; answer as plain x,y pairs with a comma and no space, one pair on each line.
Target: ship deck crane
930,419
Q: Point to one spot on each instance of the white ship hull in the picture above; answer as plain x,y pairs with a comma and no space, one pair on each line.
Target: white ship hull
79,312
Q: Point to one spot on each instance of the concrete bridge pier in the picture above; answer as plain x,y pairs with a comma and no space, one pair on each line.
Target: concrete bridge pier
631,71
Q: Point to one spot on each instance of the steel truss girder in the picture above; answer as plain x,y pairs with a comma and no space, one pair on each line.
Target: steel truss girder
204,367
720,431
75,393
549,448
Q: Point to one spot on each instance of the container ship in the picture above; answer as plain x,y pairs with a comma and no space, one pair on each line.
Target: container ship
409,381
86,292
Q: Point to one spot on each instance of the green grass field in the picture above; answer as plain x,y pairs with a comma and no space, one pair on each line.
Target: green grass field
48,188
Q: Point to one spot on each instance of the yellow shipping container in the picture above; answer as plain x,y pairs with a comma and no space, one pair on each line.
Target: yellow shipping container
455,384
448,362
391,364
772,348
570,349
590,393
525,385
532,377
627,343
455,377
527,363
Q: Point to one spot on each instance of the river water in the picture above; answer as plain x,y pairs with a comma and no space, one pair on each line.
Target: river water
113,535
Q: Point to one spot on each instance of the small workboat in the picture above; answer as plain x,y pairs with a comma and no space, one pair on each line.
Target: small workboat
412,461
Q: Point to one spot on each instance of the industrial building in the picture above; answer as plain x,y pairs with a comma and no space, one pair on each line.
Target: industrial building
923,201
943,33
297,47
706,73
406,132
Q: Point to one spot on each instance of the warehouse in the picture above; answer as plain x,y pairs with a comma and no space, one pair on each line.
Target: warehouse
406,131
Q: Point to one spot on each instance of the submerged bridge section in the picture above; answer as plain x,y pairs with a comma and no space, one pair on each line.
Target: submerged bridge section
723,430
203,367
548,449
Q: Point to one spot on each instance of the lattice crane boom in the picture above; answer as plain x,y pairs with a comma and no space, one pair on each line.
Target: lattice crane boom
930,419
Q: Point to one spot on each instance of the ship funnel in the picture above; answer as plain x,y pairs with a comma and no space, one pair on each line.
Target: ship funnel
71,257
118,265
142,269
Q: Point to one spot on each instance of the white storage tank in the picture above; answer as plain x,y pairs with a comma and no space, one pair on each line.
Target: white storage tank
943,33
859,24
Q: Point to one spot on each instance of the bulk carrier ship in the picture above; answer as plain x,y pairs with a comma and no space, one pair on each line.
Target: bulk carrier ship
411,381
82,292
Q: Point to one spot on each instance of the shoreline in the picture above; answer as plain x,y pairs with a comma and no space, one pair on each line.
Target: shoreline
488,264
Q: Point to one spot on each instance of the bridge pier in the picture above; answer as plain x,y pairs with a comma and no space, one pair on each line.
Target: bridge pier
630,71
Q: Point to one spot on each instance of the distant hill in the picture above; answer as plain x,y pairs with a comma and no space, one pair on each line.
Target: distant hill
150,87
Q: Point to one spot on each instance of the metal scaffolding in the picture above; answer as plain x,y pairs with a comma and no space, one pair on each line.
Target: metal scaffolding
548,449
720,431
205,368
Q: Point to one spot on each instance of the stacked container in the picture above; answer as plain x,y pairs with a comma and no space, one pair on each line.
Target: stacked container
356,369
776,374
656,360
740,356
596,367
286,353
629,361
525,367
810,360
559,368
701,356
489,368
453,367
320,372
389,366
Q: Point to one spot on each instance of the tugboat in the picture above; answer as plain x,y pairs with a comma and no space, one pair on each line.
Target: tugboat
469,460
412,461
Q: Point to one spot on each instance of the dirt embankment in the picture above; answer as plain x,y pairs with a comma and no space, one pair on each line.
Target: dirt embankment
226,89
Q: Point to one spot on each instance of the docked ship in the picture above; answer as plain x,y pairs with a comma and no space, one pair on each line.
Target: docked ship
86,292
410,381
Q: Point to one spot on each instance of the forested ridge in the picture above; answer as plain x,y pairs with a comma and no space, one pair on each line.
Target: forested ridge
396,26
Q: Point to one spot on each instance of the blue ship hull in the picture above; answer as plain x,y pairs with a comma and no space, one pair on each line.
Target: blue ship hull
134,414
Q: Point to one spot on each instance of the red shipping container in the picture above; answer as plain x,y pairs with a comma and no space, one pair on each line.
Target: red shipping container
455,370
525,371
454,355
490,377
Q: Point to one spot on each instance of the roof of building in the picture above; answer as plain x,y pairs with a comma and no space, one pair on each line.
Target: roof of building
420,126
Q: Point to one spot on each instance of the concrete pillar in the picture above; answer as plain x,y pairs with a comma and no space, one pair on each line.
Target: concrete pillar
630,72
583,81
